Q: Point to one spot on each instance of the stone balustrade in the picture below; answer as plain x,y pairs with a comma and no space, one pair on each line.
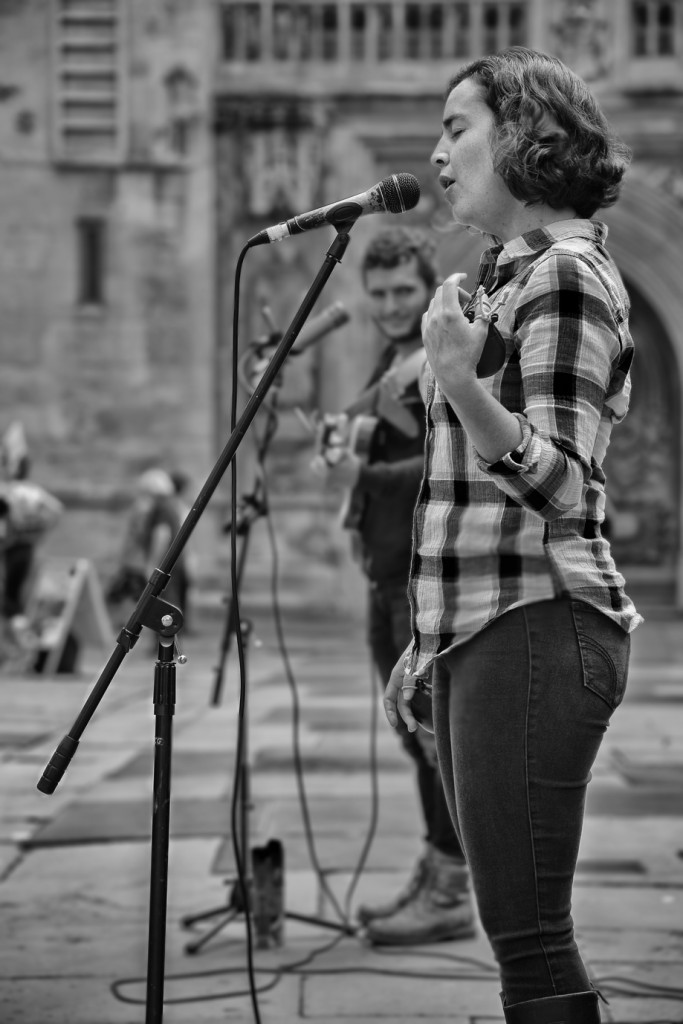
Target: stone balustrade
348,31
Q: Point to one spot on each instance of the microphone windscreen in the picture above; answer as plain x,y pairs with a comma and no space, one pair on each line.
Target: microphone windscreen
400,192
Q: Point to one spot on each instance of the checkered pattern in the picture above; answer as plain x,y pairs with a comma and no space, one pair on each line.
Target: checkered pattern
490,537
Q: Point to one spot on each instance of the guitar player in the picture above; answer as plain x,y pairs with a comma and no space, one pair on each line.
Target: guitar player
400,275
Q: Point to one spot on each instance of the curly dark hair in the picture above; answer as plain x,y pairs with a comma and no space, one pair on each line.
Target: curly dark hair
553,144
396,245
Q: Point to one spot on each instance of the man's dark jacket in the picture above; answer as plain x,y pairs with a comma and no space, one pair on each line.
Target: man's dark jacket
387,488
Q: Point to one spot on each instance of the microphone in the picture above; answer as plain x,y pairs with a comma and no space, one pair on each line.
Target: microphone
315,328
395,194
261,351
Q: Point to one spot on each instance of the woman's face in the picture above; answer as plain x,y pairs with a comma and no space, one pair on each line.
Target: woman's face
477,195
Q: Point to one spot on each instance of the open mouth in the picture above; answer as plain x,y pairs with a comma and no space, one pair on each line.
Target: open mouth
445,181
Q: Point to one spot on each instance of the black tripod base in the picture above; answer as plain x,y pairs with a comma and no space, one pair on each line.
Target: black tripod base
263,898
264,939
228,912
265,903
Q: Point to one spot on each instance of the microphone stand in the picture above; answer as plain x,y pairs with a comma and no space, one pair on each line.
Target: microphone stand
251,507
256,890
165,619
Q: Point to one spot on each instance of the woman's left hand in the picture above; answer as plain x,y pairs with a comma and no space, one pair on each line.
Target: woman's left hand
453,344
397,697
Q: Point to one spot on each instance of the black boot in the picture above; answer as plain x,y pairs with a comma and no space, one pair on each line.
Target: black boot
575,1008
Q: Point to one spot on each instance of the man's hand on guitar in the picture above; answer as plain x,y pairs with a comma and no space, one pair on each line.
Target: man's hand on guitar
343,446
335,459
390,385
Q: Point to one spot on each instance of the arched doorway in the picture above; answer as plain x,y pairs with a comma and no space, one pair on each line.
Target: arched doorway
645,228
643,463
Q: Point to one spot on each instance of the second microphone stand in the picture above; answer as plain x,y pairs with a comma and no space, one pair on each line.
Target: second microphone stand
262,866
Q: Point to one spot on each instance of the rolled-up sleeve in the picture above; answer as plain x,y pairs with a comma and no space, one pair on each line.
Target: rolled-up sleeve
567,337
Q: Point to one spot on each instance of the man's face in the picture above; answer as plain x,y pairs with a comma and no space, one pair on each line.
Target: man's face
477,195
398,296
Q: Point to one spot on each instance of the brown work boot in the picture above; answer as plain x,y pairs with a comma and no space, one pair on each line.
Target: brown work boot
371,912
441,909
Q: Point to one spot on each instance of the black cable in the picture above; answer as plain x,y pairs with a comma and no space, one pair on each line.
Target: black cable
478,971
374,789
296,968
454,958
344,915
647,989
238,780
296,715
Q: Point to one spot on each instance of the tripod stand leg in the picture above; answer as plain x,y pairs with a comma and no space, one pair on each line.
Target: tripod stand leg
347,929
228,916
193,919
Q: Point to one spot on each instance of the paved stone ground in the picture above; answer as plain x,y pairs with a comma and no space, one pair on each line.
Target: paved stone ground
75,866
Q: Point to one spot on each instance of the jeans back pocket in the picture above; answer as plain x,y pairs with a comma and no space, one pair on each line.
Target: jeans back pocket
605,650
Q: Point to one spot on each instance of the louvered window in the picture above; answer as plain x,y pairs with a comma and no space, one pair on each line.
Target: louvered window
88,124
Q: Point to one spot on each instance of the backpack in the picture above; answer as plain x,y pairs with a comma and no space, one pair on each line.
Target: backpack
32,511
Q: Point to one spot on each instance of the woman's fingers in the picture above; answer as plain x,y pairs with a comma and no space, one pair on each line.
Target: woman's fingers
406,712
453,285
391,693
397,696
446,302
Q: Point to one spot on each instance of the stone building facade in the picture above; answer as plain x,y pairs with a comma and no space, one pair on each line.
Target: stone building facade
142,142
106,185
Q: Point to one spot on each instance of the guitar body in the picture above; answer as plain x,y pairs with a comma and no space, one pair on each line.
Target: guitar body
338,436
354,430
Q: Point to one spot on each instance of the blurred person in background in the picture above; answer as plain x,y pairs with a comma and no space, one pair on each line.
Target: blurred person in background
383,474
32,512
153,521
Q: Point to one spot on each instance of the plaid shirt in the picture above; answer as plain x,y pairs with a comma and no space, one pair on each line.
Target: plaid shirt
491,537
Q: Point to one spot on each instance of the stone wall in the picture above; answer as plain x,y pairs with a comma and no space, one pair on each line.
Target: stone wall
107,389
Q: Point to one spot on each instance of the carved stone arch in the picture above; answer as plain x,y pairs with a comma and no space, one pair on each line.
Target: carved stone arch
645,232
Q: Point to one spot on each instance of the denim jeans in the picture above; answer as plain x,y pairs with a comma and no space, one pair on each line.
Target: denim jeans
389,634
520,711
